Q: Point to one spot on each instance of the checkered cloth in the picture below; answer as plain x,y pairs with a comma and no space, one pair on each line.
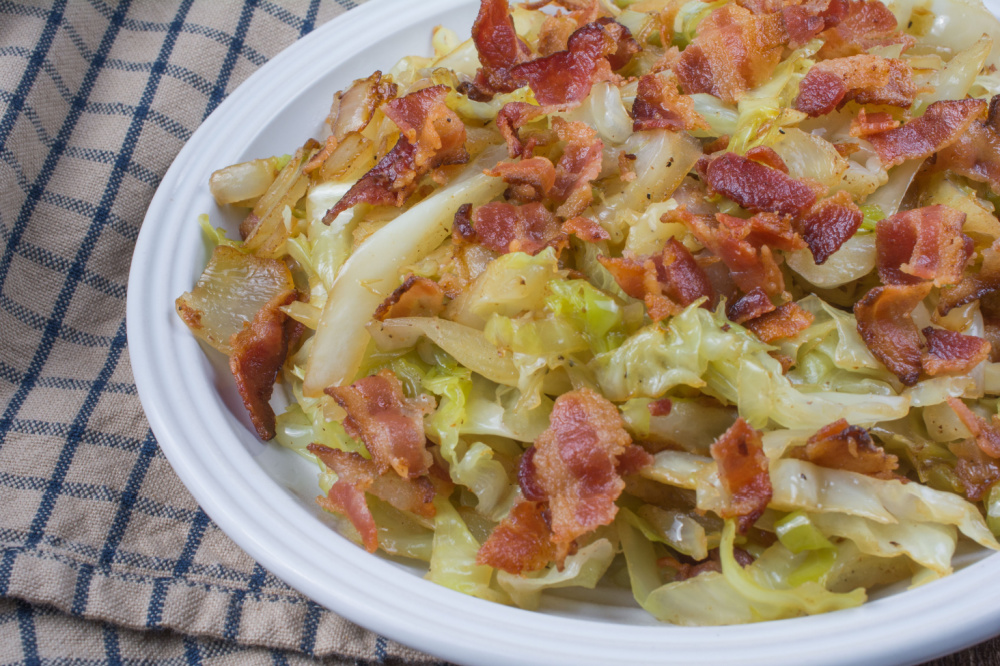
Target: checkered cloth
104,556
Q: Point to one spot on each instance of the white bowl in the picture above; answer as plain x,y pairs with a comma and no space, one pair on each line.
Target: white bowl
263,496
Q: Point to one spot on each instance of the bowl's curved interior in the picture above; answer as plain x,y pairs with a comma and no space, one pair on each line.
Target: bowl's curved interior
263,495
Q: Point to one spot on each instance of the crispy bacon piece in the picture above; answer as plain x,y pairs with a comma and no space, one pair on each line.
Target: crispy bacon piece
527,477
976,154
886,325
522,542
940,126
750,305
949,352
750,266
432,136
585,229
390,425
784,322
867,23
416,297
987,434
258,352
762,229
348,500
865,78
768,157
530,179
686,570
497,43
922,244
659,105
974,286
866,124
739,453
666,283
514,115
805,21
734,51
415,495
504,227
757,187
660,407
842,446
977,471
461,227
579,164
575,461
829,224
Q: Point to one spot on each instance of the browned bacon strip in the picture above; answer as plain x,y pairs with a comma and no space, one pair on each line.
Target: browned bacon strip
949,352
529,180
585,229
886,325
497,43
976,154
940,126
987,434
768,157
504,227
513,116
659,105
829,224
757,187
258,352
579,164
842,446
867,23
348,500
390,425
784,322
739,453
867,79
750,266
923,244
749,306
976,470
575,460
867,124
416,297
522,542
975,285
805,21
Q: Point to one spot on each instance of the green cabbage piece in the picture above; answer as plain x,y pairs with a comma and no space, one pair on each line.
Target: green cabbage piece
582,569
453,558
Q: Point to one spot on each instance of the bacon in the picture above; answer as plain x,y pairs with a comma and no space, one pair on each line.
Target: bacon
416,297
805,21
390,425
734,51
886,325
750,267
976,154
529,179
757,187
974,286
660,407
764,229
940,126
554,34
987,435
866,124
258,352
751,305
829,224
575,460
867,23
922,244
522,542
432,136
739,453
527,477
497,43
461,227
768,157
687,571
579,164
349,501
632,460
514,115
867,79
504,227
843,446
659,105
949,352
977,471
585,229
415,495
784,322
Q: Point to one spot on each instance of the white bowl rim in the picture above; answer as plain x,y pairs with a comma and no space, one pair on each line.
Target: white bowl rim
197,435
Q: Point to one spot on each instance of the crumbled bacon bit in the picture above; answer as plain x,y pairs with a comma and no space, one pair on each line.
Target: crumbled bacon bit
530,179
626,166
734,51
739,453
987,434
749,267
977,471
976,285
348,500
585,229
768,157
940,126
786,321
390,425
461,227
713,564
785,360
749,306
497,43
527,477
579,164
976,154
632,460
416,297
715,145
659,105
258,352
949,352
867,23
659,407
923,244
886,325
804,21
865,78
432,136
504,227
522,542
575,461
847,149
829,224
513,116
866,124
757,187
843,446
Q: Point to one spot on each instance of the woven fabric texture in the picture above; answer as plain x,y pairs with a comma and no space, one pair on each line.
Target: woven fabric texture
104,556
